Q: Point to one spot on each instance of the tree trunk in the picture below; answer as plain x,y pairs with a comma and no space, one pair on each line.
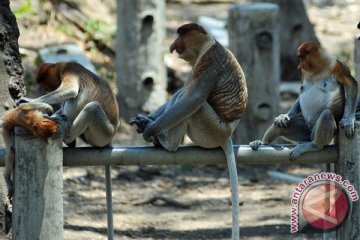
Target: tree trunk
12,86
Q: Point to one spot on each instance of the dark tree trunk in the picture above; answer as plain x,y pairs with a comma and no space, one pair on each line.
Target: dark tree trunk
12,86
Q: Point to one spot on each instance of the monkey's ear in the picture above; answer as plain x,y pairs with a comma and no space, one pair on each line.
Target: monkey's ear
44,72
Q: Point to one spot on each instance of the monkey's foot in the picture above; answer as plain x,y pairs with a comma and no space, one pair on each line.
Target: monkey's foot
156,142
59,118
140,121
301,149
348,124
163,140
294,154
255,144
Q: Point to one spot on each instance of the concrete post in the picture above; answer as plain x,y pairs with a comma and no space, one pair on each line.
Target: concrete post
254,40
38,182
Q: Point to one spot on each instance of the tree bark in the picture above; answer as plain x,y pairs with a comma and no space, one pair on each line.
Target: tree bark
12,86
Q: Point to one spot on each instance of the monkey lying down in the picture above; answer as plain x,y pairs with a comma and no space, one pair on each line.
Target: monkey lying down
32,116
328,99
208,108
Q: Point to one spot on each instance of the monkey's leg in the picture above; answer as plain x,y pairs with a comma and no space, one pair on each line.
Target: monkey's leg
42,107
93,123
297,130
158,112
207,129
172,138
321,135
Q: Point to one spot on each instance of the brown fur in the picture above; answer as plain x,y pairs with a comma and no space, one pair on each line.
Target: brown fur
28,117
190,27
207,108
51,76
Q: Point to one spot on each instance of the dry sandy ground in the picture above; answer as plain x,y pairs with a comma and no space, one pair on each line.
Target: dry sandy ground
188,202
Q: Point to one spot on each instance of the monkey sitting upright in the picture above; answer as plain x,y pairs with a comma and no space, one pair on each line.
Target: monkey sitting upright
34,118
208,108
327,99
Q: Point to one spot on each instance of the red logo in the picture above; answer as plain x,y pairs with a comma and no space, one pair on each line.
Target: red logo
325,205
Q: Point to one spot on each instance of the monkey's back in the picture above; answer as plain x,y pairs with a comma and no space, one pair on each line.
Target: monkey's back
229,96
97,90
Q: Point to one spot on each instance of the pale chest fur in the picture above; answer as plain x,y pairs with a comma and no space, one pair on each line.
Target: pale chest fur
317,96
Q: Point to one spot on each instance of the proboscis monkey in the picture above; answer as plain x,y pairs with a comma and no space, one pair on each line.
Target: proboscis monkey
208,108
88,103
31,117
327,99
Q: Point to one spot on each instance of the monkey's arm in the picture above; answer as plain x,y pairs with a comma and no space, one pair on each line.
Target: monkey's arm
162,108
350,86
283,120
295,109
185,105
68,89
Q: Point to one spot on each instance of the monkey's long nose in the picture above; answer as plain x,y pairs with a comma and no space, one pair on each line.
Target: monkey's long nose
172,47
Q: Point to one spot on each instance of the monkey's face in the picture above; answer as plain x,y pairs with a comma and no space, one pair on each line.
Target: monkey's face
45,128
309,55
188,45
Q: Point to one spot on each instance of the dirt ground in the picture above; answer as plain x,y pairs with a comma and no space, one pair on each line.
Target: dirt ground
177,202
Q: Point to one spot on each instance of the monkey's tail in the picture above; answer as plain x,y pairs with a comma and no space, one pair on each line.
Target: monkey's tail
231,162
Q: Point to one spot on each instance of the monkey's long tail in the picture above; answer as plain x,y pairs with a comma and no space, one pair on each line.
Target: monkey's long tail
230,158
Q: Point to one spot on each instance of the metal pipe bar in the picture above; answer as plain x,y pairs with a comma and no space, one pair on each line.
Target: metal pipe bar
267,154
109,208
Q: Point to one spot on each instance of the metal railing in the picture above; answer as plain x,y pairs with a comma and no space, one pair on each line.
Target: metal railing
345,156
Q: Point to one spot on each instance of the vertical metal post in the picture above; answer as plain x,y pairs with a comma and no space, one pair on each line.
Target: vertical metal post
109,209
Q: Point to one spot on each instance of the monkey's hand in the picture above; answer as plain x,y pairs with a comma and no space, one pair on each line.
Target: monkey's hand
141,121
59,118
255,144
23,100
348,124
149,132
282,121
